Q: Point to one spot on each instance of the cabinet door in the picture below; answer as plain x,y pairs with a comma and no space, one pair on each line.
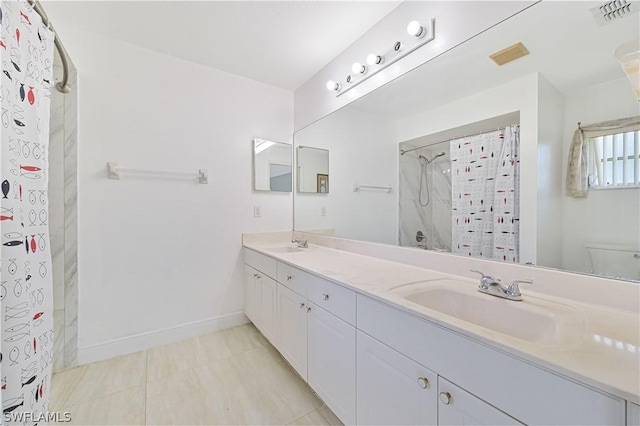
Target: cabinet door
391,388
458,407
633,414
266,306
250,293
332,362
291,320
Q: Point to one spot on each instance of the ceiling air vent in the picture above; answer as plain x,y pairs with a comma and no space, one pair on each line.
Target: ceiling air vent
509,54
614,10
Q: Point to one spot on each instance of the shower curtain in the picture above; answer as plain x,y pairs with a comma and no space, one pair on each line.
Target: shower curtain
26,305
485,197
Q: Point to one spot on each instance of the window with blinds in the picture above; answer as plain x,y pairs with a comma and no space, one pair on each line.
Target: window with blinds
614,160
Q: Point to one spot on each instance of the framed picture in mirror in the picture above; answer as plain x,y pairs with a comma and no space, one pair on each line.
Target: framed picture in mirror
322,183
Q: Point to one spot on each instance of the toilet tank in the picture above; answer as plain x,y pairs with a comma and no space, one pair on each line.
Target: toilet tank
615,260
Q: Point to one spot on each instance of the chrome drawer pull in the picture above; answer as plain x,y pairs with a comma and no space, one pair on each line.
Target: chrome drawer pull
325,296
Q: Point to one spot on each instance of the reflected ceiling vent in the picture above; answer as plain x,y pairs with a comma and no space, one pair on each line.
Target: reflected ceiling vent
614,11
509,54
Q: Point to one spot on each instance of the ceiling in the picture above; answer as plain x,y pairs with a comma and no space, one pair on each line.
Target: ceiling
567,47
282,43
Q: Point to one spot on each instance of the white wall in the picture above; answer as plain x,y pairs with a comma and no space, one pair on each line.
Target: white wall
605,216
160,259
456,21
361,150
549,190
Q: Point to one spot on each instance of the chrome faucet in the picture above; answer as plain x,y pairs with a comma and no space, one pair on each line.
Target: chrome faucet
301,243
493,287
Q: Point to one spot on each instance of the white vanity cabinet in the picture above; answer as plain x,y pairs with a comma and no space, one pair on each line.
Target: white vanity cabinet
311,322
291,319
391,388
260,293
633,414
527,393
458,407
373,363
332,361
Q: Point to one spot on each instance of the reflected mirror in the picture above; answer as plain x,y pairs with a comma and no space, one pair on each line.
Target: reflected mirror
271,166
418,131
313,170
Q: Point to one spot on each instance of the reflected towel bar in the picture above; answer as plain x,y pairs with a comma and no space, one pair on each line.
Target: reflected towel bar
358,187
114,171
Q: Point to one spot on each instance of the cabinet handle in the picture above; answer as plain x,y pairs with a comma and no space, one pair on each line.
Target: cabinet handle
301,305
255,275
423,382
325,296
445,398
308,309
289,277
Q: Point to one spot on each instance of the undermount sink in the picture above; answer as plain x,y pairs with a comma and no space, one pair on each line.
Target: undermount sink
533,319
285,249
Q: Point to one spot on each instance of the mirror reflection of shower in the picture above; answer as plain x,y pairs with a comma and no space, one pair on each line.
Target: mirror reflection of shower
424,191
424,185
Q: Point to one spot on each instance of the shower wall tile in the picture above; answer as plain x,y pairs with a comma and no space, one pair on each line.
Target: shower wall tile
433,220
71,224
58,340
63,185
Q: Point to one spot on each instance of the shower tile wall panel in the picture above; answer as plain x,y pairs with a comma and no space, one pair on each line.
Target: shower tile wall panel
71,224
435,219
63,222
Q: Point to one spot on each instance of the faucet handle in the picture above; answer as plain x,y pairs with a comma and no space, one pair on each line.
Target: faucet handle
485,280
514,289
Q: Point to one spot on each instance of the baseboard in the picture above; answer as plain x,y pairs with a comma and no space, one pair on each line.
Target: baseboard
144,341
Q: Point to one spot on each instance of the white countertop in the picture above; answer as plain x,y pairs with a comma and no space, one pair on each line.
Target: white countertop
603,352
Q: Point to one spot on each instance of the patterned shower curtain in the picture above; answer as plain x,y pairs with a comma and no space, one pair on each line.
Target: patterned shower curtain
485,196
26,305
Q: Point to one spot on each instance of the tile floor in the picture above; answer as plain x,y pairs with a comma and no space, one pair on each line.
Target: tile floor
232,377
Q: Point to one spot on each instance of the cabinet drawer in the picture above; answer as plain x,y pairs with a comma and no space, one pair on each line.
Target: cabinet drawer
293,278
334,298
262,263
535,395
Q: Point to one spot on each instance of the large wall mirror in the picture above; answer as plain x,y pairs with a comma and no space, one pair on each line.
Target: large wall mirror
313,169
458,111
271,166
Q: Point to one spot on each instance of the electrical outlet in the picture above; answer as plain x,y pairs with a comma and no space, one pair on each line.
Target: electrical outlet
323,211
257,211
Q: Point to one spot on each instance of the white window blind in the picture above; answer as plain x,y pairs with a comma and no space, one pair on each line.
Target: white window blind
614,160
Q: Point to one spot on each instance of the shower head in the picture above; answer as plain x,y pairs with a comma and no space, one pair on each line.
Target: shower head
427,161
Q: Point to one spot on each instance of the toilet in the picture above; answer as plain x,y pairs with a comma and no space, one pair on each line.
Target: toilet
614,260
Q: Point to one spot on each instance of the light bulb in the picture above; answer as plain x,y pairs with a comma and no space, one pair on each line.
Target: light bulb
333,86
358,68
374,59
415,29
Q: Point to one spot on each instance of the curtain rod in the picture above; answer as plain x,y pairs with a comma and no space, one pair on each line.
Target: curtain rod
61,86
403,151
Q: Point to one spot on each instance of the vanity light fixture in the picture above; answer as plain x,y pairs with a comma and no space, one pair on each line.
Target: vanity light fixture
415,29
374,59
421,34
358,68
333,86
